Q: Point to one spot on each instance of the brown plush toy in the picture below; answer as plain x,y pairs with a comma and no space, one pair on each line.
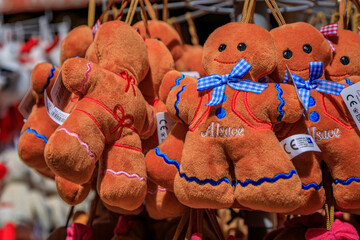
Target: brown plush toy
186,57
296,48
109,118
329,123
230,150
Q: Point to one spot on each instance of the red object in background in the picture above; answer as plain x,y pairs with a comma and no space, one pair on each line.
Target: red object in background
3,171
8,232
10,125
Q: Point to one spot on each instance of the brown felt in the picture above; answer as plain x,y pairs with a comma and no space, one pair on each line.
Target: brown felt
346,43
239,153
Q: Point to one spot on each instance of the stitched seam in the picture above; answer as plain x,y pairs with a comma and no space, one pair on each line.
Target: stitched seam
347,181
48,80
177,81
197,110
85,78
282,102
331,116
127,146
311,185
125,174
202,117
35,133
224,62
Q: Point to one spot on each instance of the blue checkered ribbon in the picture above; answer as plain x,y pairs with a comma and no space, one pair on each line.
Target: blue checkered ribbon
233,79
305,87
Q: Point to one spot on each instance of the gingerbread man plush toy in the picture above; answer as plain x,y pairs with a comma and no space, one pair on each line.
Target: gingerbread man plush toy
109,118
230,150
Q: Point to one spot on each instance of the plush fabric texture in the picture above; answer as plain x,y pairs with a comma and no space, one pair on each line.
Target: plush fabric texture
39,126
191,60
109,119
76,43
339,231
332,127
165,33
293,37
223,155
347,45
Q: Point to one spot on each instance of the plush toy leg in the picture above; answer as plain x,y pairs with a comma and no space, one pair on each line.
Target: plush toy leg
72,193
159,170
122,174
312,193
267,180
161,203
34,137
204,180
74,148
342,157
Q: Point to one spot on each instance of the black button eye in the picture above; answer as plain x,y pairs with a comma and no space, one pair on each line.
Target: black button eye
307,48
287,54
241,47
345,60
222,47
159,39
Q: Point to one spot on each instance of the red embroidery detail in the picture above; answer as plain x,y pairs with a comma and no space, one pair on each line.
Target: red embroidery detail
233,103
124,120
331,116
224,62
291,130
130,81
127,146
94,120
197,110
202,117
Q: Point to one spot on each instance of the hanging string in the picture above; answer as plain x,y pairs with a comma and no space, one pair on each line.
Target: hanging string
91,13
192,29
334,17
189,229
348,12
150,10
276,12
184,219
199,220
121,10
114,11
108,7
248,11
155,7
165,11
342,20
93,208
144,18
330,202
131,12
319,18
244,11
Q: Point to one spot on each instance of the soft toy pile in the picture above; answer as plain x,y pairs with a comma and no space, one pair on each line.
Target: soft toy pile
225,131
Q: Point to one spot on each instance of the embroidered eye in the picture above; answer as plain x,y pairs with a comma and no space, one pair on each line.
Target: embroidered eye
307,48
222,47
287,54
345,60
241,47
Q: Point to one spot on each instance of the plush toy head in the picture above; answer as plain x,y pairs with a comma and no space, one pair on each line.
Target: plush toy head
76,43
346,61
242,40
308,45
164,32
191,60
161,62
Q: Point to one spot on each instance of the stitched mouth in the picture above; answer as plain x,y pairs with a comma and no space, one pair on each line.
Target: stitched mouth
340,75
225,62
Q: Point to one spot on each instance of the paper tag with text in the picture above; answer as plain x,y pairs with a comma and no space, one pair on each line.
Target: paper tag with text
192,74
351,97
54,113
164,125
59,93
298,144
26,104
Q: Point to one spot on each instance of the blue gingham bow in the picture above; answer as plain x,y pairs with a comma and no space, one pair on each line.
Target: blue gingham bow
233,79
305,87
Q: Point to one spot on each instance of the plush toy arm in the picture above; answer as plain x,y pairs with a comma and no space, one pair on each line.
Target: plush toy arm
43,77
182,102
150,122
171,79
80,75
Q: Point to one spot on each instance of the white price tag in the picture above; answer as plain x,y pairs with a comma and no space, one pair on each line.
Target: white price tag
351,97
164,125
54,113
26,104
299,143
59,93
192,74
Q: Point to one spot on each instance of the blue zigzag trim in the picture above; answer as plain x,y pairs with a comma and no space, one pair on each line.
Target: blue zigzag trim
348,181
266,179
349,82
48,80
311,185
36,134
232,183
282,102
177,81
177,102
